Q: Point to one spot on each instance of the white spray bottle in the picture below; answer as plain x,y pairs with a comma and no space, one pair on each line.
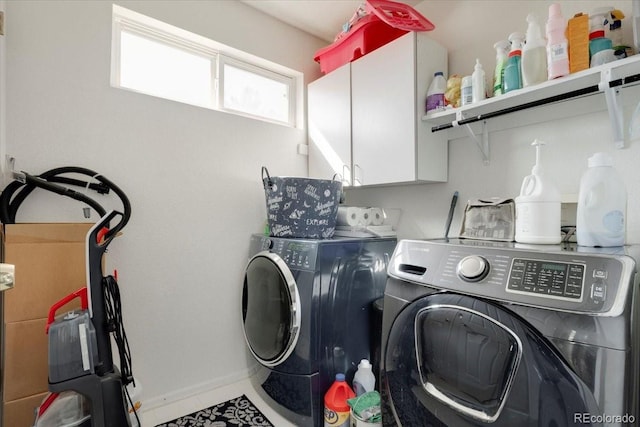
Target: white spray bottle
538,207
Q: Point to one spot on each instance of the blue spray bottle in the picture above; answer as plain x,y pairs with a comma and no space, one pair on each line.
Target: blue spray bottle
513,70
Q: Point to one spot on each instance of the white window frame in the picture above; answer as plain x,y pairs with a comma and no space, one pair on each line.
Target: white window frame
242,65
219,54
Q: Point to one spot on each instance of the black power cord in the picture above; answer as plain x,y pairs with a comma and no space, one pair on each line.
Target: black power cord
115,325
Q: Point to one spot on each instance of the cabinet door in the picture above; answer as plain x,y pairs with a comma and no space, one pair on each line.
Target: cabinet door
329,105
383,114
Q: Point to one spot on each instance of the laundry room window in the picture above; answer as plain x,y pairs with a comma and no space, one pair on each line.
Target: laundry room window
158,59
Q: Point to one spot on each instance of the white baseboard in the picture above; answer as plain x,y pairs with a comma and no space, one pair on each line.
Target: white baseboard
186,392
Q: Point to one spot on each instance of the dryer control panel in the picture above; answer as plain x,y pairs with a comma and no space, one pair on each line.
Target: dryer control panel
596,281
548,278
297,253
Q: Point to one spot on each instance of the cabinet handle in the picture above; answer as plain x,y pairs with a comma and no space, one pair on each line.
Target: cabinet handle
357,177
346,175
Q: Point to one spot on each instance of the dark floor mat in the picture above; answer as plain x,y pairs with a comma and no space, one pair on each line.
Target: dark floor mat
238,412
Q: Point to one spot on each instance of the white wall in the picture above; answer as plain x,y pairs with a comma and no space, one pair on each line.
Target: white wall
192,175
569,142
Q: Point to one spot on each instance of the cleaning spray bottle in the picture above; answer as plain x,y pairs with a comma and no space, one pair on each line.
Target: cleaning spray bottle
502,55
534,54
600,47
513,70
557,44
538,206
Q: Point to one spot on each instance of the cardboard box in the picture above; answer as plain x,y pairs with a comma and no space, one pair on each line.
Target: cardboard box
26,363
21,412
50,263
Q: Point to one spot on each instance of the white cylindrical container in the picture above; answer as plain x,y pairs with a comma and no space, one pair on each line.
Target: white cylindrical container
602,203
479,83
538,208
357,421
466,91
364,380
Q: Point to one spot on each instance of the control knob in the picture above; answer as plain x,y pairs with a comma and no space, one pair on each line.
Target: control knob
473,268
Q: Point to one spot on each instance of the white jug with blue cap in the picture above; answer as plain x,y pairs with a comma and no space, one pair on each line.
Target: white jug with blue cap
602,202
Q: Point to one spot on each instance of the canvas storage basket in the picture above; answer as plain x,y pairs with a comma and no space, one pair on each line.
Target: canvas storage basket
301,207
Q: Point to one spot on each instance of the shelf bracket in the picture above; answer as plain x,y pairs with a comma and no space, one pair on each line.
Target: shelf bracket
483,143
612,96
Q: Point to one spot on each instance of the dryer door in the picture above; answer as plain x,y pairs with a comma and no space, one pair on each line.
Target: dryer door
270,309
453,360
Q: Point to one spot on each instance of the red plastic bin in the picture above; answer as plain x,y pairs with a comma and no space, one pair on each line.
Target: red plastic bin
385,21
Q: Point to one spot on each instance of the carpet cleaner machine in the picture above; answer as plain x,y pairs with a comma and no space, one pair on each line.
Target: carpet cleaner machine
86,388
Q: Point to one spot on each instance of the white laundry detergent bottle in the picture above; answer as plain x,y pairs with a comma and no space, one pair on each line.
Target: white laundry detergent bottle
602,203
364,381
538,207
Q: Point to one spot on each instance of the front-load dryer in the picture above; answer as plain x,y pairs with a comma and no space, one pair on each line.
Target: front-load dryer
503,334
306,310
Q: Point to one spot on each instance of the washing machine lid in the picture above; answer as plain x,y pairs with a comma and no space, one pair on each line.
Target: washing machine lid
270,309
457,360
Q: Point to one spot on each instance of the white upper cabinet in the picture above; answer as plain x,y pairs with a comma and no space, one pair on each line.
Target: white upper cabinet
329,106
388,141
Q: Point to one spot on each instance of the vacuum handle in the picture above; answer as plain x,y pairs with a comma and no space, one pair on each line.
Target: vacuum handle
101,234
84,303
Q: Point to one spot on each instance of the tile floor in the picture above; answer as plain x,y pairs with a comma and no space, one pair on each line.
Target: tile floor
177,409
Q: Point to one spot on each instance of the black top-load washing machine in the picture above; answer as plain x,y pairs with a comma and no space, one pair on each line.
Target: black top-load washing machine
502,334
306,308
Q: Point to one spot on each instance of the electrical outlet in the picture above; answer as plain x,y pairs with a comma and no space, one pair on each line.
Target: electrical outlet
1,23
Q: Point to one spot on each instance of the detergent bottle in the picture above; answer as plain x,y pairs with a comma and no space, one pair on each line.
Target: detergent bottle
538,206
336,408
466,92
600,47
502,55
435,93
534,54
364,381
557,44
602,203
513,70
